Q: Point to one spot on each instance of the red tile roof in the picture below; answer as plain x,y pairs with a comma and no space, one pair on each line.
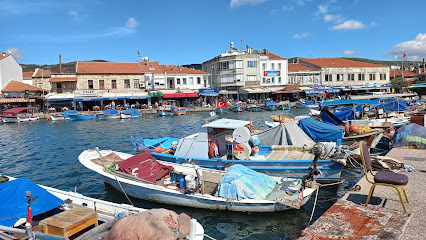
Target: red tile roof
15,86
3,55
152,67
173,69
42,73
64,79
338,63
397,73
27,74
108,67
295,67
271,56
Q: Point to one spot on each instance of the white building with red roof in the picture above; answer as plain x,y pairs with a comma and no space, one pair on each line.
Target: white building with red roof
338,72
303,75
9,70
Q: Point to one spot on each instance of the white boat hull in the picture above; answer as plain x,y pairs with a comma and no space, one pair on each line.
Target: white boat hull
172,196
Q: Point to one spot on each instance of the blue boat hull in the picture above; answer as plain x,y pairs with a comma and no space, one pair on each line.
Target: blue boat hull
299,104
238,109
81,117
254,109
283,107
9,120
331,171
164,113
270,108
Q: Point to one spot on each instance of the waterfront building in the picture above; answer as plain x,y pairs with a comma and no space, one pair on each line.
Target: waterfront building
27,77
41,79
247,74
348,74
19,94
303,75
9,70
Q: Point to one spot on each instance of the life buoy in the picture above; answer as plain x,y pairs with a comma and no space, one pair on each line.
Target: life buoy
212,150
165,103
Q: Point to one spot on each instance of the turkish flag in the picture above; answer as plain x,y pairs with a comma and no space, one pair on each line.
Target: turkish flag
241,40
221,104
403,54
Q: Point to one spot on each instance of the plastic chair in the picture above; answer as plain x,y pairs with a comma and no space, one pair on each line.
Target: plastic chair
390,179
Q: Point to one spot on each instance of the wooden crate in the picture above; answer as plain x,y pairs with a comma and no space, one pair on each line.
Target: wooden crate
69,222
209,182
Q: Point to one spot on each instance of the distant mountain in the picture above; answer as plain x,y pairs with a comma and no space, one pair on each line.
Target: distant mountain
54,68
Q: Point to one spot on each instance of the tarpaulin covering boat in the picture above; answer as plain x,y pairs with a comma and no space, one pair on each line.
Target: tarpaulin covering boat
395,105
320,131
287,134
410,136
14,203
328,117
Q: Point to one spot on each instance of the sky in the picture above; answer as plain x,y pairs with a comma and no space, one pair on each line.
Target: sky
194,31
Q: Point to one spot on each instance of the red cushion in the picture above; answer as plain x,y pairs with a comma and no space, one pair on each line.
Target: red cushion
391,178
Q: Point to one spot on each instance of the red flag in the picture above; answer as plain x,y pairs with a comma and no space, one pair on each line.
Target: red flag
221,104
241,40
403,54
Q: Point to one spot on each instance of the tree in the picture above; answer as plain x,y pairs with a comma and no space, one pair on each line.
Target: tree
398,83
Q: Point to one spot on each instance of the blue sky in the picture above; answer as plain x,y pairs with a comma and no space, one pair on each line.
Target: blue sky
194,31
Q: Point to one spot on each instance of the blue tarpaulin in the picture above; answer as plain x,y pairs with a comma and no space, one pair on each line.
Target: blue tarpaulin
13,203
327,116
110,111
132,111
350,101
410,136
69,112
270,104
240,182
320,131
344,115
394,105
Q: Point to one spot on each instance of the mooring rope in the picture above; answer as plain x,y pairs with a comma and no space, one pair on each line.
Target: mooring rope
115,176
316,197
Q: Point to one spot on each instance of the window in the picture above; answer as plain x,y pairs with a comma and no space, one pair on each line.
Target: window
372,77
40,85
328,78
263,66
383,76
264,80
184,81
191,81
273,66
279,79
231,65
251,64
351,77
198,80
58,85
279,66
238,64
114,84
71,85
90,84
273,79
136,83
227,78
101,84
339,77
177,81
126,83
361,77
224,65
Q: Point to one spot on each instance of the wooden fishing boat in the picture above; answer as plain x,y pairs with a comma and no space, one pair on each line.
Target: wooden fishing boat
62,115
130,113
81,117
284,105
108,114
15,115
270,106
166,110
254,108
175,186
361,136
277,118
60,214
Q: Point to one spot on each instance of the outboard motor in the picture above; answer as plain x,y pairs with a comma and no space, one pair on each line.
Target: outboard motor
318,149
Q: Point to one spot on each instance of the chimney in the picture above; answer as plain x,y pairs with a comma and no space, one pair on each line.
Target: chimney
60,64
179,67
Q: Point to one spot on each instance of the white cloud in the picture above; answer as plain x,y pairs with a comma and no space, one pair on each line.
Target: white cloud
333,18
349,25
322,9
294,3
349,52
15,53
131,23
74,15
236,3
415,50
303,35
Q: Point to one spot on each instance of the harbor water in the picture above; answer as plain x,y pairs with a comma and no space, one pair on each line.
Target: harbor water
46,152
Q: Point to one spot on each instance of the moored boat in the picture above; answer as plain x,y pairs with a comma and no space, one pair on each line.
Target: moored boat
284,105
130,113
186,185
62,115
81,117
238,107
270,106
15,115
306,104
108,114
166,110
254,108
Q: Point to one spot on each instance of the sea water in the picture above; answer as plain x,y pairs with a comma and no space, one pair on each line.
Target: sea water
46,152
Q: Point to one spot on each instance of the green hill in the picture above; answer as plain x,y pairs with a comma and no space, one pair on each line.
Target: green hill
66,67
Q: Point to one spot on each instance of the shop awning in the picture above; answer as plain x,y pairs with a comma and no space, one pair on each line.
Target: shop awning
86,99
181,94
286,91
226,92
69,79
418,86
16,100
139,96
210,92
255,90
320,91
59,97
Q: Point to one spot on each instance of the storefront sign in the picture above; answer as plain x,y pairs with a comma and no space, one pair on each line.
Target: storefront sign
209,91
271,73
88,93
